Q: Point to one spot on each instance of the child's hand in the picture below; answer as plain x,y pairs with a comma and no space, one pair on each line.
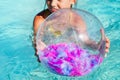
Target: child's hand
107,45
107,41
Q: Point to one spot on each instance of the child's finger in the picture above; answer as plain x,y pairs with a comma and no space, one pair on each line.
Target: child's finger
107,43
107,46
107,40
106,50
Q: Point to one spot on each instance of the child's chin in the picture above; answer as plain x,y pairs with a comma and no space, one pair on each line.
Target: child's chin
53,10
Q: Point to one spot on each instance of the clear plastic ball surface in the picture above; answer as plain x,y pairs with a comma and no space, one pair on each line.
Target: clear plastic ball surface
71,42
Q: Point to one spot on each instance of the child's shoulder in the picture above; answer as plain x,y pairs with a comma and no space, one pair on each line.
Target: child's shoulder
39,18
42,15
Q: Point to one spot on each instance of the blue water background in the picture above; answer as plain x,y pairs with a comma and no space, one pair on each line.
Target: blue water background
17,60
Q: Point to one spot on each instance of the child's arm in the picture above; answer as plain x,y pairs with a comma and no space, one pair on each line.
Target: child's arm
36,23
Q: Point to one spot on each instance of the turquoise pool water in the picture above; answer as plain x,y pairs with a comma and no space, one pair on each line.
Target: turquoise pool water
17,60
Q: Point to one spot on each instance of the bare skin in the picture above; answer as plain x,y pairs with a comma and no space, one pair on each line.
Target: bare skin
54,5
